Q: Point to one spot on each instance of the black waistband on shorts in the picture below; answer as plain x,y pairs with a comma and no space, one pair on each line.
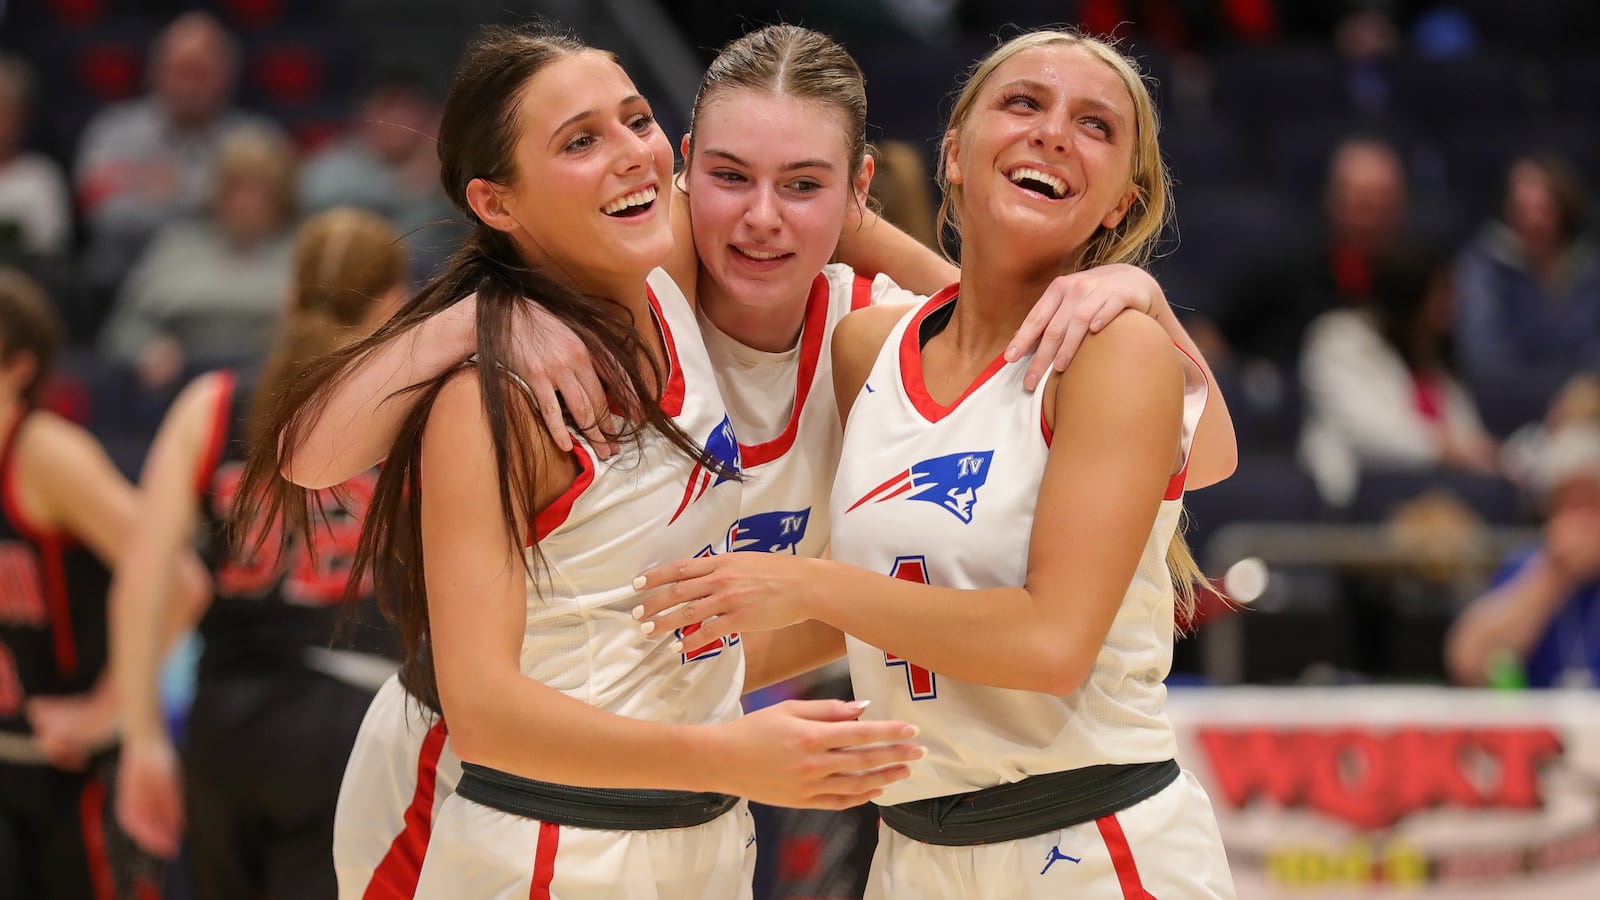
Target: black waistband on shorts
606,809
1035,805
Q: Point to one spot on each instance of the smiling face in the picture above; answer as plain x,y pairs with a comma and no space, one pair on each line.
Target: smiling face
769,187
591,167
1044,158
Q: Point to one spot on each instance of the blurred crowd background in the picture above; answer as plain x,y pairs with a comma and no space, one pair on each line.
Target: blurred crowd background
1382,241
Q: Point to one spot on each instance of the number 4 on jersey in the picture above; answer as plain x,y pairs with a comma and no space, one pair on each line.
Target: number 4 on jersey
923,684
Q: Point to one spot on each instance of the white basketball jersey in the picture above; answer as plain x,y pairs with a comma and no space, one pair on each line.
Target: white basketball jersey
783,409
646,506
945,495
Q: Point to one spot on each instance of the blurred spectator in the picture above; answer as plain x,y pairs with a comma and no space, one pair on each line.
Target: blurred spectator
1530,295
1380,382
144,163
212,289
388,163
1266,316
35,207
1540,622
903,190
1578,403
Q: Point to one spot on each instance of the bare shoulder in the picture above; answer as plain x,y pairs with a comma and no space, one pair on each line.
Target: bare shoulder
198,403
458,422
61,464
50,448
861,334
1127,346
857,340
457,413
1132,357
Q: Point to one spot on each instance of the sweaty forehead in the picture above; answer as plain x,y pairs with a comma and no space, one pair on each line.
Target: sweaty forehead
1068,70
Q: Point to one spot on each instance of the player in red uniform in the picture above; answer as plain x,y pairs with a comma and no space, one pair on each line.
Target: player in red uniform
280,691
67,516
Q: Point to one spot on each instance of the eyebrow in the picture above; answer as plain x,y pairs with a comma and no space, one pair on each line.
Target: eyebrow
588,113
787,167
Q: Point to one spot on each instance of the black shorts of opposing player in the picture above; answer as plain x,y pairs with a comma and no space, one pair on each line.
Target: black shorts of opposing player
59,839
263,762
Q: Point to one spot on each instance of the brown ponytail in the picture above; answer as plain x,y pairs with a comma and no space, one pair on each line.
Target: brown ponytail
345,261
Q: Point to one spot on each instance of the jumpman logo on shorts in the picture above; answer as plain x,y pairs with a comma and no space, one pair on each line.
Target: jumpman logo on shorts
1055,854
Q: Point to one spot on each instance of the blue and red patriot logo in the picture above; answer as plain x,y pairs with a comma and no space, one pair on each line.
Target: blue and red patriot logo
950,482
778,531
721,446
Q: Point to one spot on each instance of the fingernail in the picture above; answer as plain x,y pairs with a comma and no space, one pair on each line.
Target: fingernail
1097,324
910,731
921,751
648,628
676,646
638,611
639,583
1012,354
861,704
1030,382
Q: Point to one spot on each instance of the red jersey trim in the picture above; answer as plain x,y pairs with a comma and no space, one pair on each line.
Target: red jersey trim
672,395
91,818
1122,859
1175,487
217,438
911,362
860,293
396,876
810,353
544,861
49,544
555,515
30,529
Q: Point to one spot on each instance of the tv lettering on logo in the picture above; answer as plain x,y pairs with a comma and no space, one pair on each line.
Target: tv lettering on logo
778,531
950,482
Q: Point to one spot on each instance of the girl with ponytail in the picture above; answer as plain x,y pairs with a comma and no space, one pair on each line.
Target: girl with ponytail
277,704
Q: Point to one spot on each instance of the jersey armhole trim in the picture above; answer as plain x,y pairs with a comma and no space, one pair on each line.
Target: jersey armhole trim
1175,486
20,520
555,515
672,395
217,437
860,293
